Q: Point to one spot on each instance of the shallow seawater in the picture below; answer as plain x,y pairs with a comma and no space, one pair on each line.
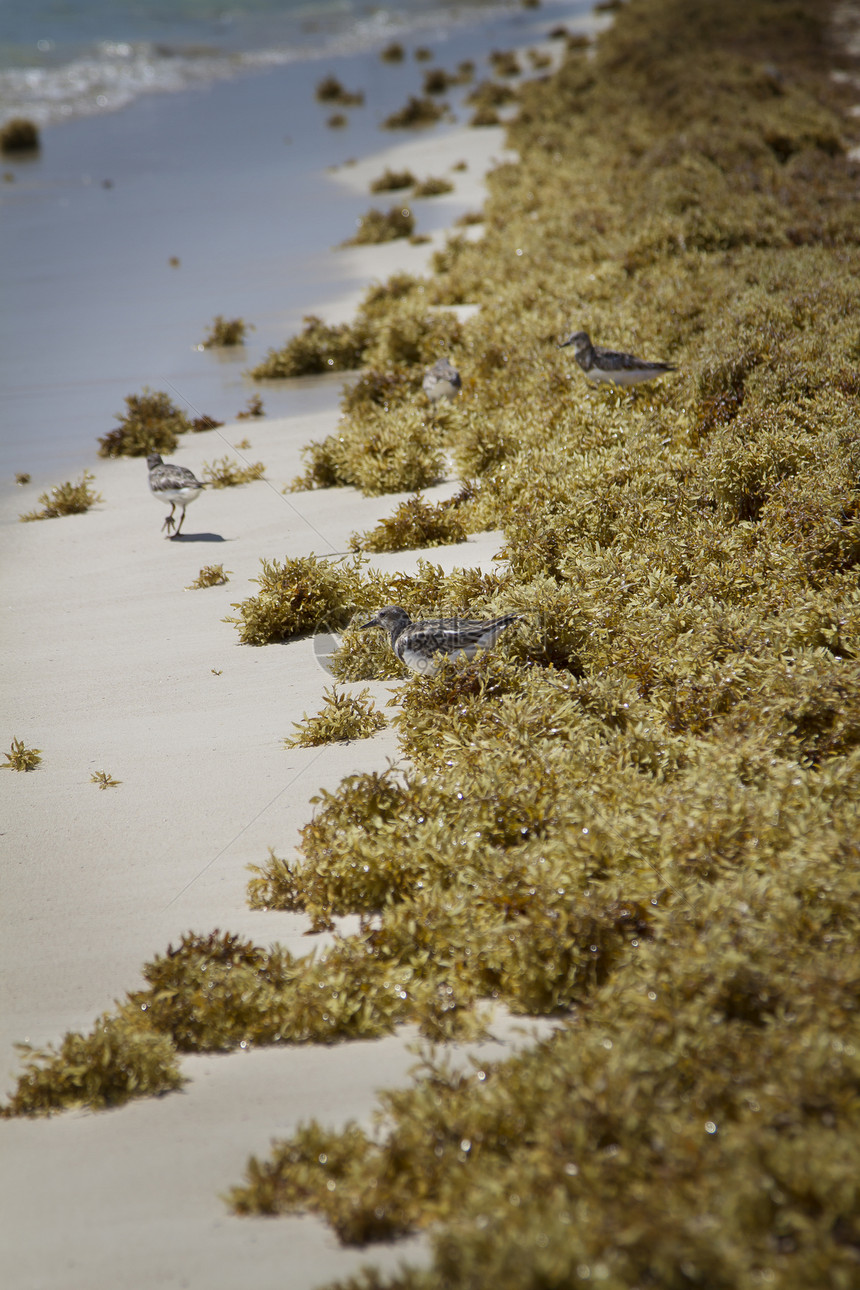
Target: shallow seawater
230,179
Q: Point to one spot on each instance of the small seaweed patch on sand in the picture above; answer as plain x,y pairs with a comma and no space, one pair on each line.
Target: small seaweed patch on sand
211,575
320,347
253,408
300,596
116,1062
343,717
150,423
382,226
433,186
224,332
65,499
20,757
104,779
224,473
415,523
415,114
330,90
392,180
19,135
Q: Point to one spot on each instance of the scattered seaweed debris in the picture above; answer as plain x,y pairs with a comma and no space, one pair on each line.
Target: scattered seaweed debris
224,332
151,423
422,54
19,135
65,499
391,180
343,717
416,113
21,758
330,90
253,408
224,473
393,53
382,226
211,575
104,779
415,523
22,477
337,121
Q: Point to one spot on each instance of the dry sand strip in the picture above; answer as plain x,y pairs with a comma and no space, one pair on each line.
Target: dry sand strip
112,665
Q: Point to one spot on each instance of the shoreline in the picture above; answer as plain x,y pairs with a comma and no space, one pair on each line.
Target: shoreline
94,308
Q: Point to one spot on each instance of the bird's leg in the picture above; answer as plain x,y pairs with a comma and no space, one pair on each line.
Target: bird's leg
168,523
181,521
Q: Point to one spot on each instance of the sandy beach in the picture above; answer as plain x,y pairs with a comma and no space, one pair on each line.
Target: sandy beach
113,665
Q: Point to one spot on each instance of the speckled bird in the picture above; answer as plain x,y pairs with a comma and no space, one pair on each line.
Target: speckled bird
420,644
612,365
173,485
441,381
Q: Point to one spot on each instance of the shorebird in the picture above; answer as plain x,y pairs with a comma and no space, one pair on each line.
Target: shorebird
611,365
173,485
441,381
419,644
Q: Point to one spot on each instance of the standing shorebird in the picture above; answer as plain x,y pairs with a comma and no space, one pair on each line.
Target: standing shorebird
173,485
611,365
419,644
441,381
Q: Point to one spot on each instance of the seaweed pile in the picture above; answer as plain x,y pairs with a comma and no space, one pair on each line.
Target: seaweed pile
639,813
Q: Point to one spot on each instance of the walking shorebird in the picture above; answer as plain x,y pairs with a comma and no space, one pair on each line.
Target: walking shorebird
418,645
441,381
173,485
612,365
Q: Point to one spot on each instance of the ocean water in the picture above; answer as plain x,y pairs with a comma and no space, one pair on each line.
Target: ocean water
59,60
200,185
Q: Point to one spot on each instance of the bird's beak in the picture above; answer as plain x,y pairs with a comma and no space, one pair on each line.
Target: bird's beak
374,622
565,343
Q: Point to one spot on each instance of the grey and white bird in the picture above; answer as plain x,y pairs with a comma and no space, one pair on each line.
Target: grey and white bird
420,644
173,485
612,365
441,381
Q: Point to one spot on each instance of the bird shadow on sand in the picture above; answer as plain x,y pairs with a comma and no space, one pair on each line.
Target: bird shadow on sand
198,537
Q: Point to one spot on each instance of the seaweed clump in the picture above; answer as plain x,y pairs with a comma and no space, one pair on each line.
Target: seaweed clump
382,226
224,332
330,90
19,757
19,135
300,596
151,423
343,717
116,1062
224,473
415,523
320,347
211,575
65,499
391,180
416,113
433,186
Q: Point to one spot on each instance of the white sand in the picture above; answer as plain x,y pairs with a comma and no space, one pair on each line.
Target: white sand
111,665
